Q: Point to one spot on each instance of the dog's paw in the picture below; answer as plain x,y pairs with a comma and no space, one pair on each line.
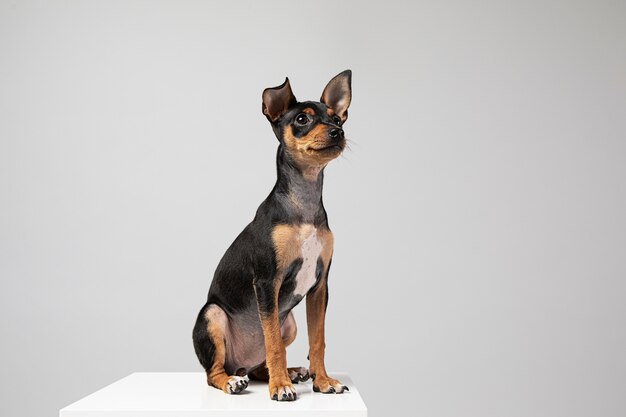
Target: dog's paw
236,384
299,374
327,385
282,390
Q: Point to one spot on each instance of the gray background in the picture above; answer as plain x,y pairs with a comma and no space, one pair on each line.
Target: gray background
480,255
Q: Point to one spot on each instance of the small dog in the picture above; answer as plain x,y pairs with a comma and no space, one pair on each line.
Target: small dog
283,255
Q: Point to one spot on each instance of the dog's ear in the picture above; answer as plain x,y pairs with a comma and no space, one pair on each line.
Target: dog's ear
338,94
277,100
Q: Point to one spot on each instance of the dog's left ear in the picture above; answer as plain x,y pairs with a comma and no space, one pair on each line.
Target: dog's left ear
277,100
338,94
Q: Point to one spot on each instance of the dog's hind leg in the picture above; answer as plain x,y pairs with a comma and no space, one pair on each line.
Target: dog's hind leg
261,373
209,340
288,331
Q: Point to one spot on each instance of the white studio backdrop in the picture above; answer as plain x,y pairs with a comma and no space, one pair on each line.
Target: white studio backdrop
479,221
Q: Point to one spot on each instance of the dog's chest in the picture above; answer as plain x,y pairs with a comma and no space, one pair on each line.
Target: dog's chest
310,250
302,251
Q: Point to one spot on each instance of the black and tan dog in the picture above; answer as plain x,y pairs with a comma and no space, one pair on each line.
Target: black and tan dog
283,255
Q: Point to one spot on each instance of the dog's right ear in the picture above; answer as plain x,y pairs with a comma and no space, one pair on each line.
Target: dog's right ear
277,100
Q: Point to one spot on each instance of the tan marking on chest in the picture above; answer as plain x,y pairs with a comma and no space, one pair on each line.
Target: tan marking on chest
306,242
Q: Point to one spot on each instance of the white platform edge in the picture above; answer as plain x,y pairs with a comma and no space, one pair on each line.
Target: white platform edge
257,402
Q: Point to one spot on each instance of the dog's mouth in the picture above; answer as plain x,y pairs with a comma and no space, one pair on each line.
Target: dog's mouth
330,148
335,147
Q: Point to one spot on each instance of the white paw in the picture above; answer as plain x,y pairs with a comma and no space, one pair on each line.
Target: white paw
300,374
236,384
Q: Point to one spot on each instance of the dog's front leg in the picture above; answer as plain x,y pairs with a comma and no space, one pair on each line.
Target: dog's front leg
316,302
280,386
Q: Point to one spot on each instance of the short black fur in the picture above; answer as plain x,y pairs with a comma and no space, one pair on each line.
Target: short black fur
244,283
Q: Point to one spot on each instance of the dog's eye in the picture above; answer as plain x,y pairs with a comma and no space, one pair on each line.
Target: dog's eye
337,120
302,119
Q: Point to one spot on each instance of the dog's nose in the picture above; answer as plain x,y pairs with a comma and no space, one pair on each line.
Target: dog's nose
335,133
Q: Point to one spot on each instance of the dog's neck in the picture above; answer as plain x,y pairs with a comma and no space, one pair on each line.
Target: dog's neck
299,189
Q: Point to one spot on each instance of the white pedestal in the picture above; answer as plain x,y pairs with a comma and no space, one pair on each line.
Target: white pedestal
187,394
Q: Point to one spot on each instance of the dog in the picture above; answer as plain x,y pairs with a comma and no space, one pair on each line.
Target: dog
281,257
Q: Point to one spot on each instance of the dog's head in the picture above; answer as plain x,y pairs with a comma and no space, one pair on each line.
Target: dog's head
311,132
